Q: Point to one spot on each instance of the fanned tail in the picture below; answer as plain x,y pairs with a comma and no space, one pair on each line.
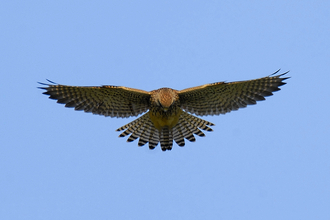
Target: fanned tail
143,128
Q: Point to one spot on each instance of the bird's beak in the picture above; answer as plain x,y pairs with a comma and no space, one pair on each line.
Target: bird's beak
165,109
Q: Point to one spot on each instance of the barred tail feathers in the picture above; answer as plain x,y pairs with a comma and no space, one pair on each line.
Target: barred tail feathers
187,126
143,128
166,139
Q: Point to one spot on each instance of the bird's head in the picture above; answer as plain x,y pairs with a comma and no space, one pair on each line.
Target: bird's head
165,98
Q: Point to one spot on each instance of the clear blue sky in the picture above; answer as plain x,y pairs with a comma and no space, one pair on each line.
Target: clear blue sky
268,161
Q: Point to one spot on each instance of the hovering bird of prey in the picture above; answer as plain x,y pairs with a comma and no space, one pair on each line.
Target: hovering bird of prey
169,115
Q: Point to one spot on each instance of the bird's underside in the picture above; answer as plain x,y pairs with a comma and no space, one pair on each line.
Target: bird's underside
169,112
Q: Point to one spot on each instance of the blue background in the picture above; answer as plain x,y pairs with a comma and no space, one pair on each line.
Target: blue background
269,161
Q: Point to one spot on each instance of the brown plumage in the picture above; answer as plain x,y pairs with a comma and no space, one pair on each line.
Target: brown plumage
168,118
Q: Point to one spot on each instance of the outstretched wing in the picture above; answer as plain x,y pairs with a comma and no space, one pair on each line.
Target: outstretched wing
113,101
220,98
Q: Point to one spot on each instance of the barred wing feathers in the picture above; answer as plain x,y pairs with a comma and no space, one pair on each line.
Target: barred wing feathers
220,98
113,101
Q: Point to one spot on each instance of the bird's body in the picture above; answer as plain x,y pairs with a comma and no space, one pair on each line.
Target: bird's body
165,119
168,118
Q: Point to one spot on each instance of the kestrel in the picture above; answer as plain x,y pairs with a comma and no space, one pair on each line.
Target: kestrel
169,111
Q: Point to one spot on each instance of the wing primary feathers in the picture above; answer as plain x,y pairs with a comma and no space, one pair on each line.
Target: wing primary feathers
277,72
221,98
113,101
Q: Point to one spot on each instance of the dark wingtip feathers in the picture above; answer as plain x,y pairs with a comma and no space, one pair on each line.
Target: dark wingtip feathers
47,84
278,76
51,83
